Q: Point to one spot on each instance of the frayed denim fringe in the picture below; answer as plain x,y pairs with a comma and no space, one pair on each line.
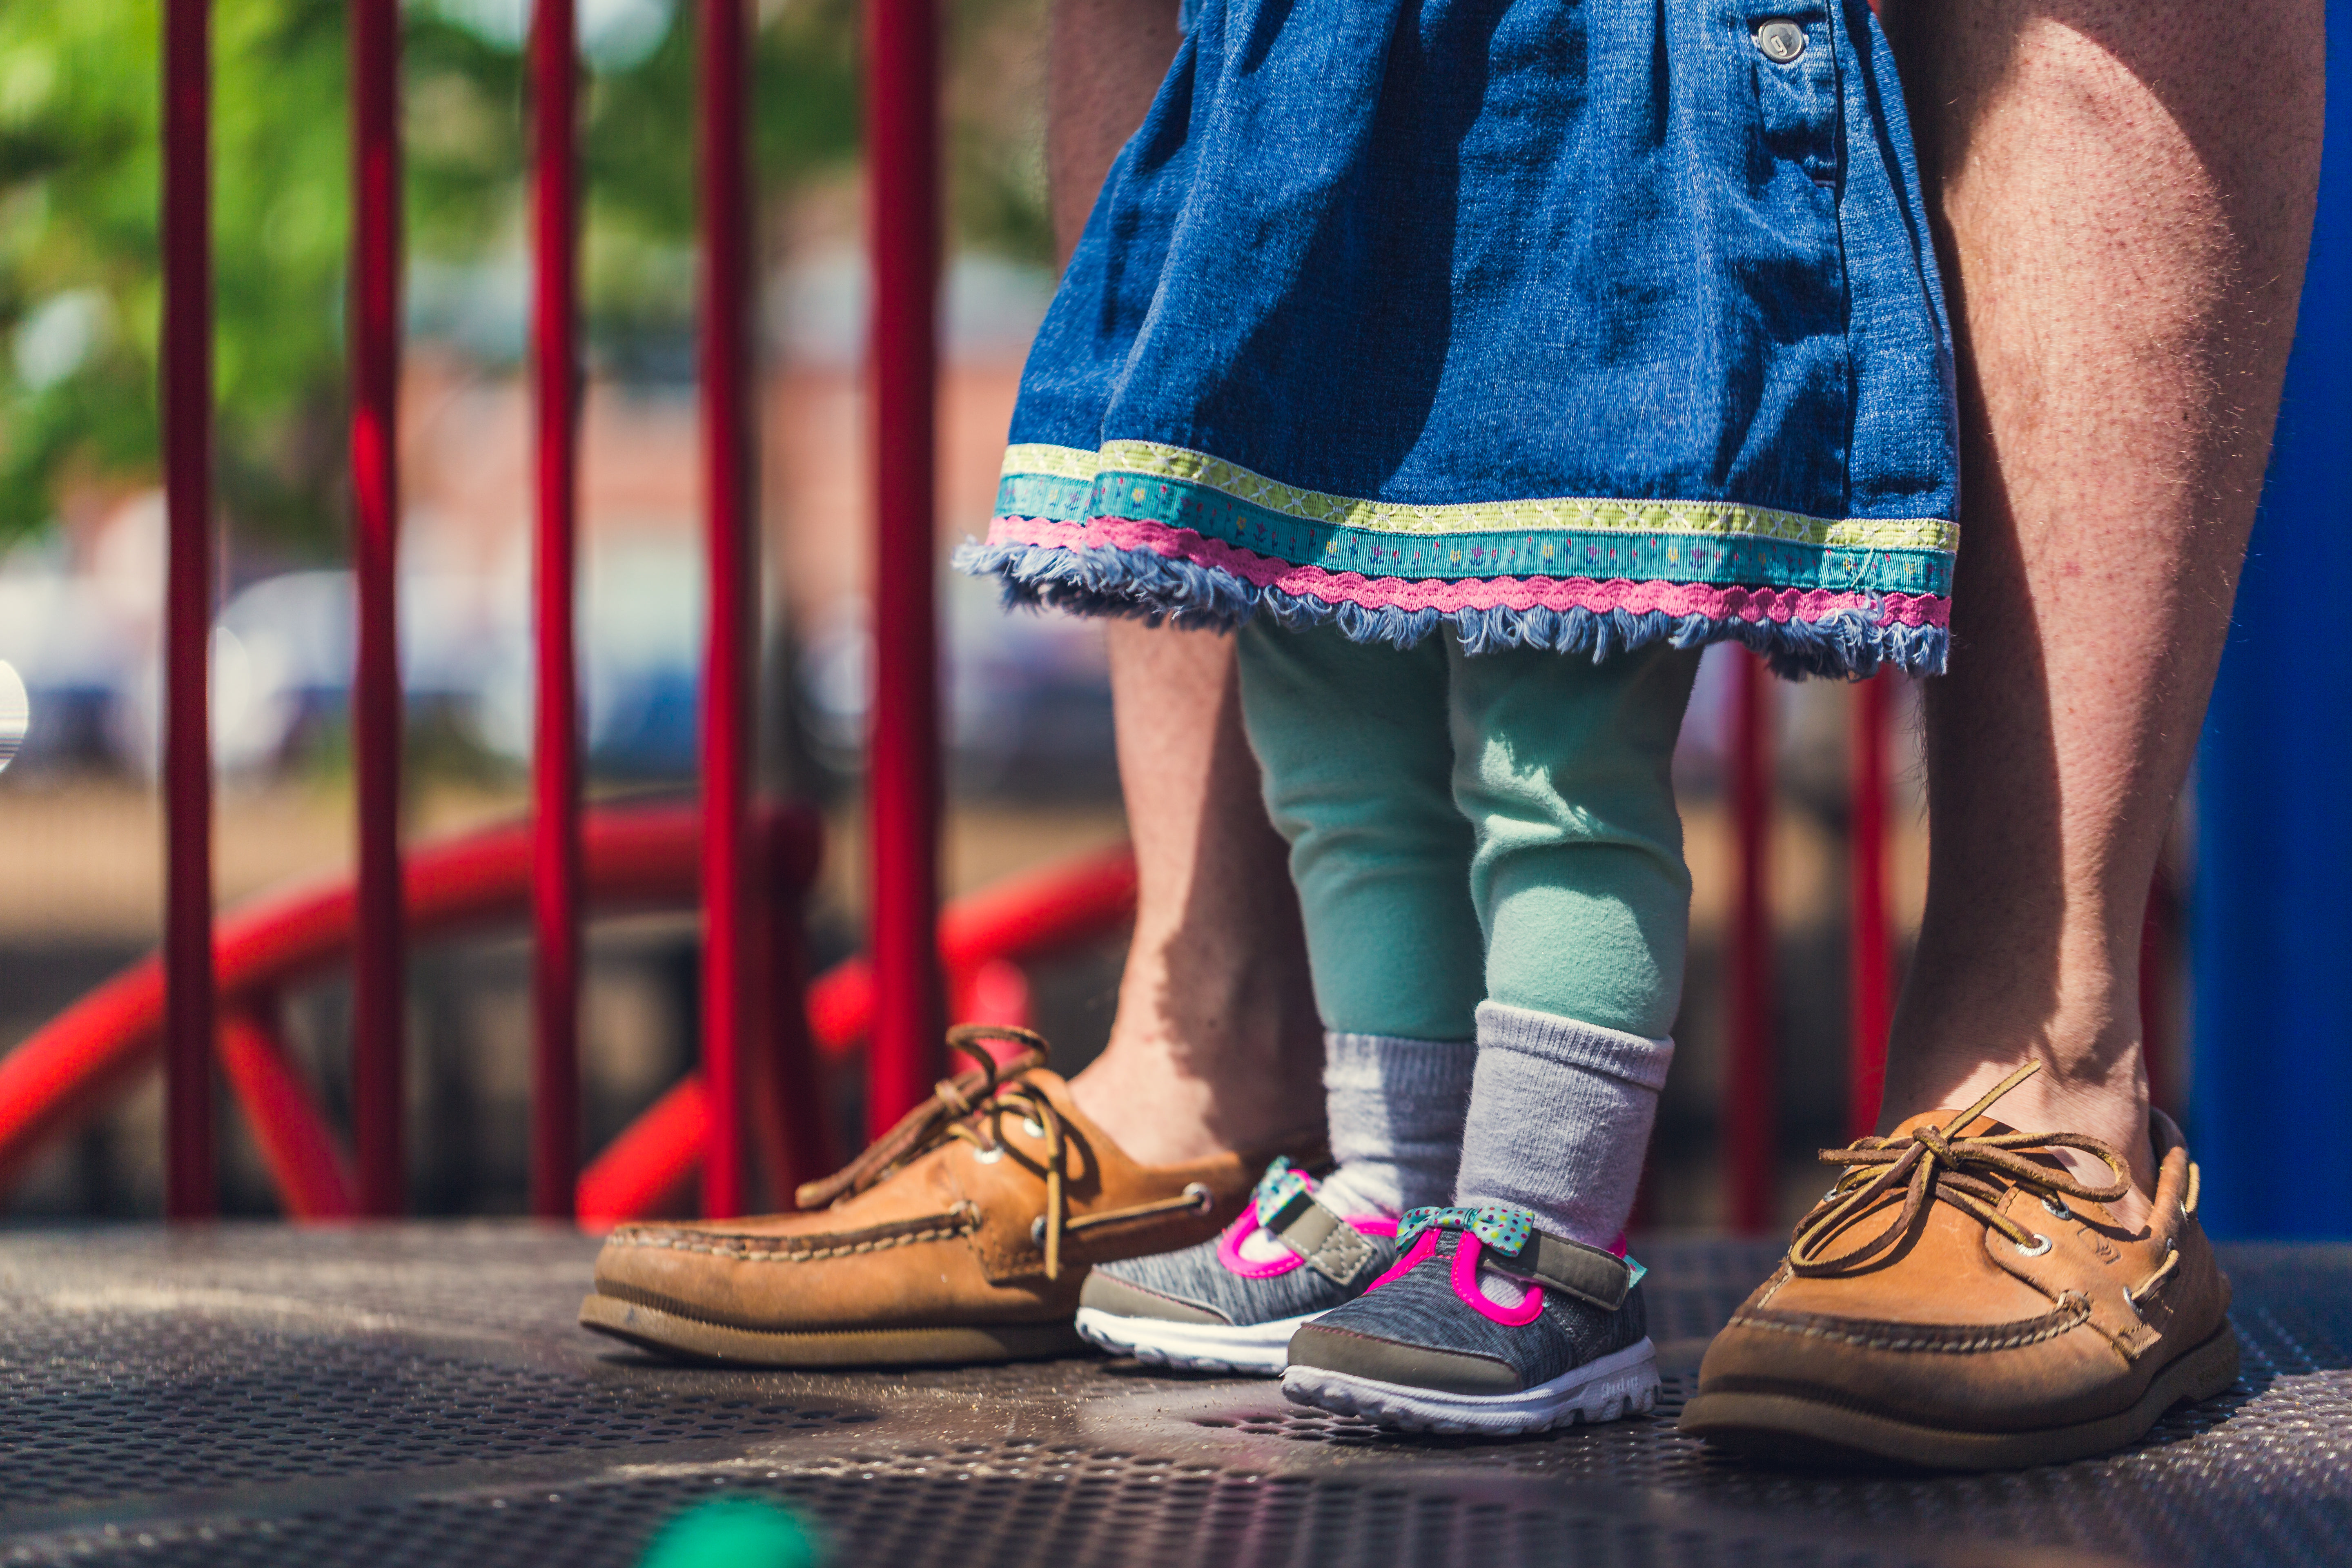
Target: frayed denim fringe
1156,588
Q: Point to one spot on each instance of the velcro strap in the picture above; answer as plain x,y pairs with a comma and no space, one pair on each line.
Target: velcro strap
1587,1273
1322,1235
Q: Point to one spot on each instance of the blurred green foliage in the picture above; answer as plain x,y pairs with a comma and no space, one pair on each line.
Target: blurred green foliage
79,170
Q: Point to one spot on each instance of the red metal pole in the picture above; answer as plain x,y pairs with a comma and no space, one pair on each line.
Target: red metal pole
728,952
1751,1090
555,776
902,134
312,1174
379,1000
1869,960
186,396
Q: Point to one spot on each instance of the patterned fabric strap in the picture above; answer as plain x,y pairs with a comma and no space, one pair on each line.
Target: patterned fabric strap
1506,1230
1281,1182
1588,1271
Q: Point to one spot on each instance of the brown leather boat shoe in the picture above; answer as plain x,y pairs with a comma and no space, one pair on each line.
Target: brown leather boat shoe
964,1234
1959,1302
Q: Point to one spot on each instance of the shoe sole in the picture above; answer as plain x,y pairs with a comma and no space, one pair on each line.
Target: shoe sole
1787,1427
680,1337
1624,1383
1257,1350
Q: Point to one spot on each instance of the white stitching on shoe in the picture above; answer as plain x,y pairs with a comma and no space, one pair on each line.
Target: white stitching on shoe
2071,1315
959,1224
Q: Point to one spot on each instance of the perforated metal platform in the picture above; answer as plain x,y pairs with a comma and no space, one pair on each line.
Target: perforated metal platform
418,1394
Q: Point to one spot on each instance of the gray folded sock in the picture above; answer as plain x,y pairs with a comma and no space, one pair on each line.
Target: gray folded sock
1559,1119
1395,1108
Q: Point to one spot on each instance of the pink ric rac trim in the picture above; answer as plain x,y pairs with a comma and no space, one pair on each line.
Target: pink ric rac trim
1465,1285
1405,1265
1230,1240
1713,601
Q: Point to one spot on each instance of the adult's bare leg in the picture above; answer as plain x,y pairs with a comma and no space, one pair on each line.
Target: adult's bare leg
1215,1045
2124,190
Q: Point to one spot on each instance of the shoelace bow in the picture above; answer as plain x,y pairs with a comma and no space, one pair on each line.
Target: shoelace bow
971,1106
1935,1165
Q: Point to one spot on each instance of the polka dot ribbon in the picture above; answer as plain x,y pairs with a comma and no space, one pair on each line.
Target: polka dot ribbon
1506,1230
1280,1183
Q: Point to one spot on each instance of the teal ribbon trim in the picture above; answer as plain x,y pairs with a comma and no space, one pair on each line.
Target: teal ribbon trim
1280,1183
1643,557
1506,1230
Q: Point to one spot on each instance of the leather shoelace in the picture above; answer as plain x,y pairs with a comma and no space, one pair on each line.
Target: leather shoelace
971,1106
1935,1165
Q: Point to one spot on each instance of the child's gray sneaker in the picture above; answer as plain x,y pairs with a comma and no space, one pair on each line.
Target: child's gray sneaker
1232,1304
1486,1325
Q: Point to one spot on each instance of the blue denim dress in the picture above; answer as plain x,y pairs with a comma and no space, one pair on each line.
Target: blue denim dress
1578,324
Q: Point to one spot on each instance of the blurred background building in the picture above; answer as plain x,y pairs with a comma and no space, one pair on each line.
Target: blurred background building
1031,767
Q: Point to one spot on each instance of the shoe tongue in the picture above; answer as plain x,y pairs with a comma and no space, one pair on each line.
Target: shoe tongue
1054,1091
1056,1086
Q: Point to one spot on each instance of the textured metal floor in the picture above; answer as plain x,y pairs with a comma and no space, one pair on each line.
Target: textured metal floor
418,1394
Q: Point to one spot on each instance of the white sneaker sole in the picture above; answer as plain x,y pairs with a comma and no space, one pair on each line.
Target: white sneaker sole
1258,1349
1624,1383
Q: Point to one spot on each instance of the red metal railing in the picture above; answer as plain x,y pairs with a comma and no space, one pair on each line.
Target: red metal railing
379,981
902,127
729,719
186,396
77,1064
556,943
902,132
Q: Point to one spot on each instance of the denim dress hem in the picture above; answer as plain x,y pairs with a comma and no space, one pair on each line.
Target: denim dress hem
1574,324
1158,533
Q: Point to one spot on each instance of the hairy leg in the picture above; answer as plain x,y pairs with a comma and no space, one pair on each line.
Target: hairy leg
1215,1045
2123,193
1105,61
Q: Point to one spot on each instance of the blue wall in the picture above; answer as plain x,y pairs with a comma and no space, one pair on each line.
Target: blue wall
2271,1100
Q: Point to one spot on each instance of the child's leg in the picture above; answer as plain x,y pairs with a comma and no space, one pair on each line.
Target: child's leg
1562,768
1354,741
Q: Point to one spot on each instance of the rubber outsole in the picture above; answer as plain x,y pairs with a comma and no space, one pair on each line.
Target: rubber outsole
1624,1382
676,1335
1253,1349
1788,1429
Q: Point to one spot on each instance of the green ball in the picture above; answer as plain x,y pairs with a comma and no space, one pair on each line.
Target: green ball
737,1532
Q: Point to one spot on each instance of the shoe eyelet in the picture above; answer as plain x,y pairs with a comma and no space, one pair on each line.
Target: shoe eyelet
988,1156
1038,1231
1031,1127
1203,1200
2057,1207
2023,1250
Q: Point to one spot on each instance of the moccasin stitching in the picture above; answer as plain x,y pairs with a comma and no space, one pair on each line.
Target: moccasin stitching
2071,1313
803,1249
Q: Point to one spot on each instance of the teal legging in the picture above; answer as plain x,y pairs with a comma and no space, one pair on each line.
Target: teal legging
1464,828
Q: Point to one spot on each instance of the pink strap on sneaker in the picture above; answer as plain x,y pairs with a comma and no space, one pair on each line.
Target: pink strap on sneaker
1405,1265
1229,1250
1465,1285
